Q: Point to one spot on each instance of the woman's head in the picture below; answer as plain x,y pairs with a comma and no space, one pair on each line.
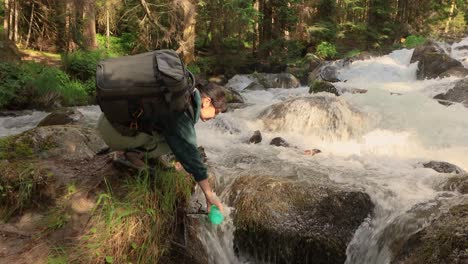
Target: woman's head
213,101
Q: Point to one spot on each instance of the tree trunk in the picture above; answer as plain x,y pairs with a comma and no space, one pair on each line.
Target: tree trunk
452,9
89,27
31,19
6,19
107,26
61,24
187,42
15,37
11,21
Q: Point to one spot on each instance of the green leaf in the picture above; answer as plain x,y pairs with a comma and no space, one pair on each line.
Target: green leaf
109,259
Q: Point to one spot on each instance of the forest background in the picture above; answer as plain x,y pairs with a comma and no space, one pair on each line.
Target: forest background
215,37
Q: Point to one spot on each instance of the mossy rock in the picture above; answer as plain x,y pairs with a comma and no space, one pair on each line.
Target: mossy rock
443,241
323,86
295,221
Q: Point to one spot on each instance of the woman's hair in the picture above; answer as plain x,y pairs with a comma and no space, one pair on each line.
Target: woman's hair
217,95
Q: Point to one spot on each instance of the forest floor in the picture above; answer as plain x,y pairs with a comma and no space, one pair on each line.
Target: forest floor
46,58
37,235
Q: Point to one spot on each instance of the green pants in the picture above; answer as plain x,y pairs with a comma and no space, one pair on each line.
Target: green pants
116,141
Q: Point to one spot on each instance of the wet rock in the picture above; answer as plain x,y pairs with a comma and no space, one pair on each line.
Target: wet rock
433,61
293,221
444,240
323,86
457,183
274,80
325,116
327,72
459,72
309,63
464,47
62,117
256,138
240,81
279,142
458,94
443,167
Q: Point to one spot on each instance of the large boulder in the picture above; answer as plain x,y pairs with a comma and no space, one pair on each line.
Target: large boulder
458,94
50,142
433,61
443,241
324,116
62,117
294,221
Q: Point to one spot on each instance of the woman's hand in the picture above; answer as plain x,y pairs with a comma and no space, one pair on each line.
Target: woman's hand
212,199
210,196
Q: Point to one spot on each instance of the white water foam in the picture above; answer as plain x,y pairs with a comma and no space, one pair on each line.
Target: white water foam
407,127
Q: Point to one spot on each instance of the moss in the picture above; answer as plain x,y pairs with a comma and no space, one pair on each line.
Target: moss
322,86
15,147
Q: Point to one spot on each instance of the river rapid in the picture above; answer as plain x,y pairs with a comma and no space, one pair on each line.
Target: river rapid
404,127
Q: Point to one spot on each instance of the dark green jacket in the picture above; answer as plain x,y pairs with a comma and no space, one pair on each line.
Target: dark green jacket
179,132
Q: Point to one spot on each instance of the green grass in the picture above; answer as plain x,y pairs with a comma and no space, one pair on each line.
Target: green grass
43,54
132,222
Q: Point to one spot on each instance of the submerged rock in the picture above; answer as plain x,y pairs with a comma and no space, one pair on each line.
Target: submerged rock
323,116
458,94
292,221
443,241
443,167
256,137
433,61
62,117
279,142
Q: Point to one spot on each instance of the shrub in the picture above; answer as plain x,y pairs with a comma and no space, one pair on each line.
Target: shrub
413,41
81,65
10,82
326,50
119,46
35,85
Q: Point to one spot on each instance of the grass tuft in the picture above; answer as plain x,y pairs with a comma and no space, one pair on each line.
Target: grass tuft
133,222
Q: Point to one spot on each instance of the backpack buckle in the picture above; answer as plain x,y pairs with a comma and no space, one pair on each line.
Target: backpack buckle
134,125
138,113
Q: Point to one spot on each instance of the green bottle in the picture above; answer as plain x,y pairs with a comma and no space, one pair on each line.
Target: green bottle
215,216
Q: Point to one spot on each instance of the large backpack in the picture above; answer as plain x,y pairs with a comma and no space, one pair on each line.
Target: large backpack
133,89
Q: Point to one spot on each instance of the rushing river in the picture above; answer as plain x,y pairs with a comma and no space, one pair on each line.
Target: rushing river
404,127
